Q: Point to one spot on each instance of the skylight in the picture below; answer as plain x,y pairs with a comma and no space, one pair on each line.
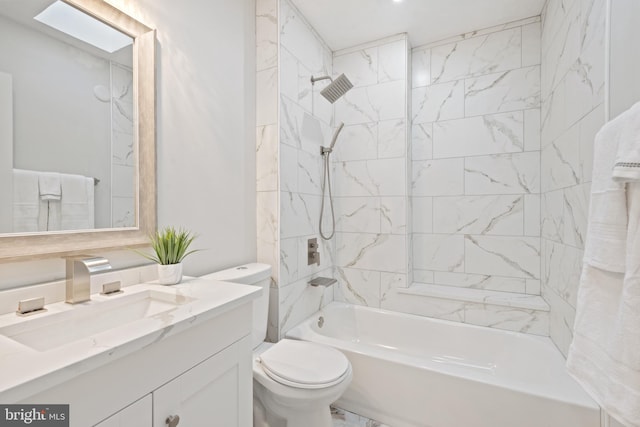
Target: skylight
75,23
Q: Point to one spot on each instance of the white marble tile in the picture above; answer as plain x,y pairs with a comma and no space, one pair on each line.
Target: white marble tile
390,281
357,214
356,142
552,208
379,252
532,215
508,318
289,254
122,116
267,97
575,214
383,101
561,320
503,174
392,61
562,269
267,158
490,134
384,177
310,173
552,116
289,168
533,287
505,91
440,252
123,148
122,181
504,256
267,228
481,55
298,38
392,139
292,119
361,287
420,67
443,177
422,141
423,276
393,215
361,67
298,301
323,109
589,126
503,215
531,44
532,130
123,212
422,215
438,102
560,165
299,214
555,14
288,69
562,52
424,306
480,281
266,34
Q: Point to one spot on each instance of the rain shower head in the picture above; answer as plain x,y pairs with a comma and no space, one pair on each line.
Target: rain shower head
336,89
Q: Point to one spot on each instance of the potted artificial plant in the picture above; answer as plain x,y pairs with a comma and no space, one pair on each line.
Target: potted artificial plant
170,247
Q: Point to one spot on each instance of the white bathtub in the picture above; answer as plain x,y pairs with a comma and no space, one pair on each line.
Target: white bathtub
416,371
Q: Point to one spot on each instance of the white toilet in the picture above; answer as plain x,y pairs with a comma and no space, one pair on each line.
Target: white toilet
294,382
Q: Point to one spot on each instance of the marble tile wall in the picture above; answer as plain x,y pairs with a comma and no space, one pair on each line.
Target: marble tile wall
267,167
572,88
370,167
304,125
475,181
122,148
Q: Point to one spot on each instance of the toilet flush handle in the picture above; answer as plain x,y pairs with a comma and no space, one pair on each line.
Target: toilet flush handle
172,420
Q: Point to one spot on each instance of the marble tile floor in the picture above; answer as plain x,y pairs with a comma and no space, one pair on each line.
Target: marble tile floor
342,418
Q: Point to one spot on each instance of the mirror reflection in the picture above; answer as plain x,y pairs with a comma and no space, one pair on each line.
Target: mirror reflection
67,145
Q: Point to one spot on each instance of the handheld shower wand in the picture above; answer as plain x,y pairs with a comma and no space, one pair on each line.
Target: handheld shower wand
326,179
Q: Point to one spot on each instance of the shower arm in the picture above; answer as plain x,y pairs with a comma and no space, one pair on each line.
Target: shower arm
315,79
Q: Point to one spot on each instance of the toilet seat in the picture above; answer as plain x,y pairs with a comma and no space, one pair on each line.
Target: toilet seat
303,364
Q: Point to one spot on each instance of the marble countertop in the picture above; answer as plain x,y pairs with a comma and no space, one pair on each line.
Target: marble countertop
24,370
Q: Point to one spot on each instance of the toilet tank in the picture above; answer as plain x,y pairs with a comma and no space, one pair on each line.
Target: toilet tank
251,274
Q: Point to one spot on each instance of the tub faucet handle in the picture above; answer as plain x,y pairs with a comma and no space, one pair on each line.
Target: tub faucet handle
313,256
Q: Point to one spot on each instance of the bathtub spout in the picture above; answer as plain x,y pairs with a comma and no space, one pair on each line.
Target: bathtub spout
322,281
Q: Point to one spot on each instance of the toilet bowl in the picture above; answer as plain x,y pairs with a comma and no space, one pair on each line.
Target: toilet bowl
294,382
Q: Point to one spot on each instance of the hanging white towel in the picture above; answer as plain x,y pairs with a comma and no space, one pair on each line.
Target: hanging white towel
26,201
77,210
604,356
49,185
627,164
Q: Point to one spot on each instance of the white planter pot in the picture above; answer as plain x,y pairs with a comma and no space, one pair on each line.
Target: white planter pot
170,274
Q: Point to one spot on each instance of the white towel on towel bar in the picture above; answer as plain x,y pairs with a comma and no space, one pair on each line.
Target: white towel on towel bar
604,356
49,185
26,201
77,210
627,164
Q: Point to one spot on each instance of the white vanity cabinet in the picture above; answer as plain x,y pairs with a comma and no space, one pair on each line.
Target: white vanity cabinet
202,374
138,414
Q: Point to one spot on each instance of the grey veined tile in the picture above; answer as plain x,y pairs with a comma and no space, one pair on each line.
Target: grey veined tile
505,91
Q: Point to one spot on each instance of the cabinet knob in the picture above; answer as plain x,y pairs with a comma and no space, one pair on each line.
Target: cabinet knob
172,420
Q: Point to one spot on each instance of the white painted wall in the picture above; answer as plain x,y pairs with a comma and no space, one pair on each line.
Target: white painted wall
6,148
205,134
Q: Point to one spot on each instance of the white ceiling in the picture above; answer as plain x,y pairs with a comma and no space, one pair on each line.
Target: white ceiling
347,23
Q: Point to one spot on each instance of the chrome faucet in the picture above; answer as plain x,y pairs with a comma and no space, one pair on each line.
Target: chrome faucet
79,271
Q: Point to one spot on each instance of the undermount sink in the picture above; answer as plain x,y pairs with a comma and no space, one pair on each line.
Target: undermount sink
53,330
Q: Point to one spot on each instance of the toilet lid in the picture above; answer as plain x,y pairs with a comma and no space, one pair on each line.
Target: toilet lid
304,364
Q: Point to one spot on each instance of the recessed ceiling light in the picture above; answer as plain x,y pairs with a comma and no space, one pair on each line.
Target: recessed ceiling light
397,1
71,21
